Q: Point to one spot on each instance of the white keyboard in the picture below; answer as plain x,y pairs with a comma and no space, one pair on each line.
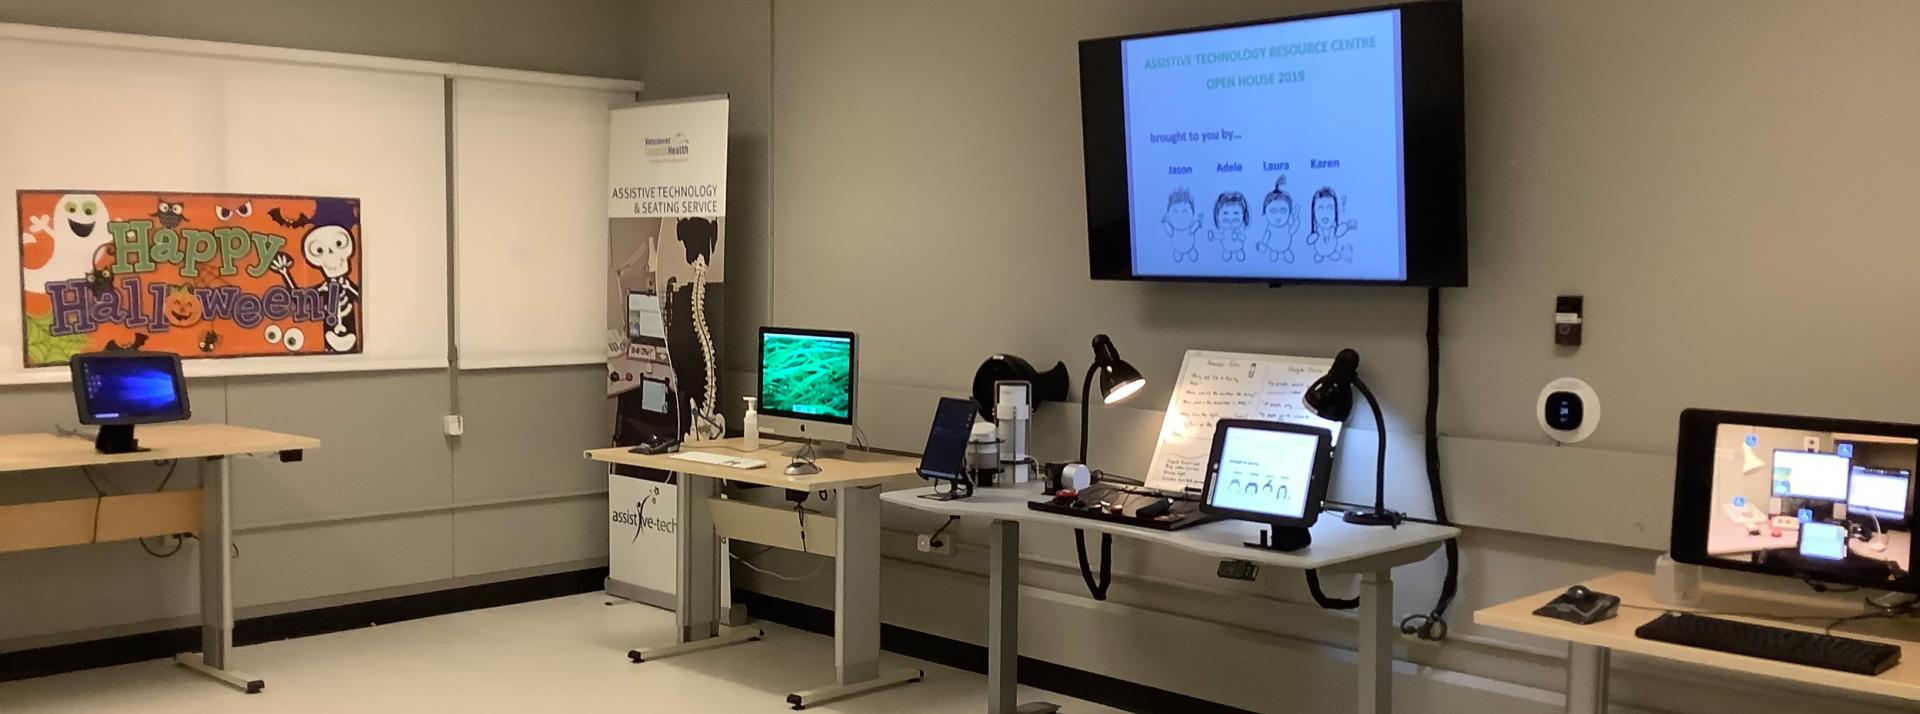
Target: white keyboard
733,462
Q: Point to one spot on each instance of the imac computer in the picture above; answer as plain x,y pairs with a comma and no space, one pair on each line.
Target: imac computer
1803,497
1269,472
116,390
807,380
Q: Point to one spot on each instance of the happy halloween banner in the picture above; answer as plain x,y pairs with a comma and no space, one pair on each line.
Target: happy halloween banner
200,274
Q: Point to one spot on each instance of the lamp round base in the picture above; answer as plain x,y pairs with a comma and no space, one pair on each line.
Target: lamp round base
1373,518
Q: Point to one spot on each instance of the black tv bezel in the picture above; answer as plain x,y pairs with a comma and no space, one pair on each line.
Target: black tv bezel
1693,489
853,375
1433,134
77,364
1316,482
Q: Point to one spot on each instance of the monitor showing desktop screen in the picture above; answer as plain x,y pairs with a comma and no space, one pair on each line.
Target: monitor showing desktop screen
807,380
1805,497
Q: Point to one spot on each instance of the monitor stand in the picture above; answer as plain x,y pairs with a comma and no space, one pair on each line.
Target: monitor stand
116,439
962,488
1285,539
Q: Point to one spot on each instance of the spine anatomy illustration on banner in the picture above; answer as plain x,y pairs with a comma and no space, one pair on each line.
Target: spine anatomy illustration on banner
666,232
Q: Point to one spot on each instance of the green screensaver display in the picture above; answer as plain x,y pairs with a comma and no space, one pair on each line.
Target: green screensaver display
807,374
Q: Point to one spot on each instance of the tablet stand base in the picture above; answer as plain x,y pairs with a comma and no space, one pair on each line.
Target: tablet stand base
1283,538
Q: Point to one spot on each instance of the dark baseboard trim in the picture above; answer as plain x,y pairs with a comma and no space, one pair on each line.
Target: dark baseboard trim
59,659
1058,678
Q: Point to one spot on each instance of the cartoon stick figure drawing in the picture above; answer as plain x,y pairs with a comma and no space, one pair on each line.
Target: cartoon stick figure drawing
1230,226
329,247
1182,224
1283,223
1329,231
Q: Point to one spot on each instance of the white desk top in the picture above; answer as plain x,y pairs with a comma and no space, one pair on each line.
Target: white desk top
1337,545
1636,589
24,452
850,470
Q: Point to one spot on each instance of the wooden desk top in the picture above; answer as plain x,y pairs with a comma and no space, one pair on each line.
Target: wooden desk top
853,469
1338,547
23,452
1636,590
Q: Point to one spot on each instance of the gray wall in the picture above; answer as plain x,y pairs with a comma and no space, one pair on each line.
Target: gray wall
1726,181
388,505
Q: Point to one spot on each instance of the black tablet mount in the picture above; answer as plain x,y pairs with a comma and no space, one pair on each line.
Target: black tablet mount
1283,538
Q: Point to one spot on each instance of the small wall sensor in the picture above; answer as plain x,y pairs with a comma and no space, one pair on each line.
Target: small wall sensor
1568,410
1569,317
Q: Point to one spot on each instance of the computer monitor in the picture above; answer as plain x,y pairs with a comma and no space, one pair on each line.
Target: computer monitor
1810,474
945,456
1882,494
1268,472
116,390
807,380
1760,493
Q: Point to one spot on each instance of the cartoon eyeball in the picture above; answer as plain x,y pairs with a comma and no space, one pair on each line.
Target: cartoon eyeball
294,339
273,334
227,214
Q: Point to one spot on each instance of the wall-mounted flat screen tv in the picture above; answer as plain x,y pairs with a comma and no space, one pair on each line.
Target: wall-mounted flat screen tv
1317,149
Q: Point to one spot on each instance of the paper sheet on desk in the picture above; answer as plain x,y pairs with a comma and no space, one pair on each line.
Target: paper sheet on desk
1227,385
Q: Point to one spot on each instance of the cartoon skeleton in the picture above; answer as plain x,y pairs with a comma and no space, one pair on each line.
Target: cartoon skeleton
329,247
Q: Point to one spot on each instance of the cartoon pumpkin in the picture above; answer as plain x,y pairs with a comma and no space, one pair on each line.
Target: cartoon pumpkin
182,307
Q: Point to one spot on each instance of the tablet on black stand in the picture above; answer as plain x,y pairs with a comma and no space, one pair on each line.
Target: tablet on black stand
1269,472
945,458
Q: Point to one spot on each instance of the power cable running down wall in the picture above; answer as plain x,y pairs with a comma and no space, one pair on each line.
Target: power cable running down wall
1432,625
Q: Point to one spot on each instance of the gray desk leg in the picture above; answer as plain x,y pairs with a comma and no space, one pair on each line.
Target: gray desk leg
1376,642
216,581
1587,667
1003,625
697,604
856,605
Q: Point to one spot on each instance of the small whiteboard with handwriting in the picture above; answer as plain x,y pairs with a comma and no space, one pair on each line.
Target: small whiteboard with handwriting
1227,385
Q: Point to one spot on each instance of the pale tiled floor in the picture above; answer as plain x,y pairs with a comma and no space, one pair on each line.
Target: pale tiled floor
561,655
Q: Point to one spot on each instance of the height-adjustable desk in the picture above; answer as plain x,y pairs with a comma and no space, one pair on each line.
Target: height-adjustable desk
205,512
854,542
1338,548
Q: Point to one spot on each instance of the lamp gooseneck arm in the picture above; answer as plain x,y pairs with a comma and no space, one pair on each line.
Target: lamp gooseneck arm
1086,406
1380,469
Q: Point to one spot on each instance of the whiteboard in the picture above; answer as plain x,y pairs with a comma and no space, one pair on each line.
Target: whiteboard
108,118
530,182
1228,385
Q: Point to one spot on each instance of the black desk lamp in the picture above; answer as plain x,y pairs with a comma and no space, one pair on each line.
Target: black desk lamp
1118,381
1331,398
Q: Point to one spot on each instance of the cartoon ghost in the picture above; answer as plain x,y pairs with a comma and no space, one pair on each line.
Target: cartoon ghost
1282,223
1182,224
1328,230
1230,216
329,247
62,246
169,213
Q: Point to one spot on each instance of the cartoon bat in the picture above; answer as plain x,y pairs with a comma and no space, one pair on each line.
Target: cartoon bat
301,221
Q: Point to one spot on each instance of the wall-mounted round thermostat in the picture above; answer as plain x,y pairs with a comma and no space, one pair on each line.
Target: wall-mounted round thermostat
1568,410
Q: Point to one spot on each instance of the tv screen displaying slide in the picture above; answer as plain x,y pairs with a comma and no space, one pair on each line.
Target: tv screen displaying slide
1798,496
1316,149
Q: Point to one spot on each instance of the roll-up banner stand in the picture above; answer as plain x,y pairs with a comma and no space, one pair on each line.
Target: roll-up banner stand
666,228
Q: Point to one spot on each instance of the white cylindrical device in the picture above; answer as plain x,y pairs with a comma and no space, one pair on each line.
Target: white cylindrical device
1675,583
1013,412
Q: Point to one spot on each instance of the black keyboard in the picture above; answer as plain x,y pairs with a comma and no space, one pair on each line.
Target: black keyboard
1775,643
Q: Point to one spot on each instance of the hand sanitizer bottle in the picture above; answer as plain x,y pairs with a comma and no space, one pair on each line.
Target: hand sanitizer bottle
751,424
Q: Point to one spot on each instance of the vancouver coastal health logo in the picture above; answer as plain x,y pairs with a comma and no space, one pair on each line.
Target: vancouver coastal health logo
667,149
641,522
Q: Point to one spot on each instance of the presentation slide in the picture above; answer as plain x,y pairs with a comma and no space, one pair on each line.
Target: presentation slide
1268,151
1265,472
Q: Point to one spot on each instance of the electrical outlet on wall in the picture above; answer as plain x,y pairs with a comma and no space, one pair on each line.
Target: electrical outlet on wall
453,425
937,545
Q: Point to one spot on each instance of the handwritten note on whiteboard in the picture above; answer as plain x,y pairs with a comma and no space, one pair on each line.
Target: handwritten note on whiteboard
1227,385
